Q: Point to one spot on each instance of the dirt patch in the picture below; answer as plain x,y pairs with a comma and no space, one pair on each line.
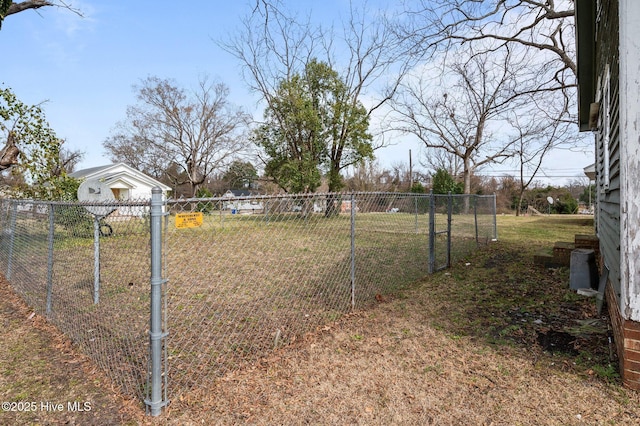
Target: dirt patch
557,341
501,259
499,297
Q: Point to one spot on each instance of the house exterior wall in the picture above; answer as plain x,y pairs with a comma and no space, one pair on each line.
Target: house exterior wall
630,155
132,181
608,188
617,67
140,192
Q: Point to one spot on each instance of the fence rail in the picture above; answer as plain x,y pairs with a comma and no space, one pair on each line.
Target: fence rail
166,296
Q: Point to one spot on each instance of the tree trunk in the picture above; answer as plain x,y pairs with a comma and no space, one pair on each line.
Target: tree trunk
519,206
9,154
333,205
467,184
335,185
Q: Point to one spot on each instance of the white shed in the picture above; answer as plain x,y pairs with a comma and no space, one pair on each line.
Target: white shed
126,183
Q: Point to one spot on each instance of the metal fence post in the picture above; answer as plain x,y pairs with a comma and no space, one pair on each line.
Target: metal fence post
449,218
475,217
50,259
495,220
415,202
222,214
96,259
12,237
432,232
353,251
156,335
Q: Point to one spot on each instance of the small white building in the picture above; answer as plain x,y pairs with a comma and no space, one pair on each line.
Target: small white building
126,183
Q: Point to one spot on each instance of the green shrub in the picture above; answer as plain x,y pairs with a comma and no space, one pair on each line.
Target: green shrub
204,207
75,219
79,222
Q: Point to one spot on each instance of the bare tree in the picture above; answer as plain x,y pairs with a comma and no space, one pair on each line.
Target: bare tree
366,177
465,113
400,177
69,159
273,47
533,144
544,26
434,159
199,132
127,147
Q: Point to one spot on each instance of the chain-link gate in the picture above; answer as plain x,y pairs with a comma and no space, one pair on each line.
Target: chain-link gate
440,232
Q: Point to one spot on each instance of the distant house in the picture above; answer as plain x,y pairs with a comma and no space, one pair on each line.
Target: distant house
609,105
240,201
125,182
233,193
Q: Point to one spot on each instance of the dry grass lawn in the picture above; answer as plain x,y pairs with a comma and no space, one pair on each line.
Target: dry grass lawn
474,345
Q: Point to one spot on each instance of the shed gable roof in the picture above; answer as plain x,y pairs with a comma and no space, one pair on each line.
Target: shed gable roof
119,172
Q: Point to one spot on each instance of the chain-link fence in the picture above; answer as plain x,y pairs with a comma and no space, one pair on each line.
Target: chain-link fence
88,276
230,278
460,223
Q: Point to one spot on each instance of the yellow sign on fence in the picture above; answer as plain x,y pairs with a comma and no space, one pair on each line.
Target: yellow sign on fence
188,220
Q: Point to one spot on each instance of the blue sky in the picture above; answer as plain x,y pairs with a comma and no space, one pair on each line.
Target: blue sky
85,67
